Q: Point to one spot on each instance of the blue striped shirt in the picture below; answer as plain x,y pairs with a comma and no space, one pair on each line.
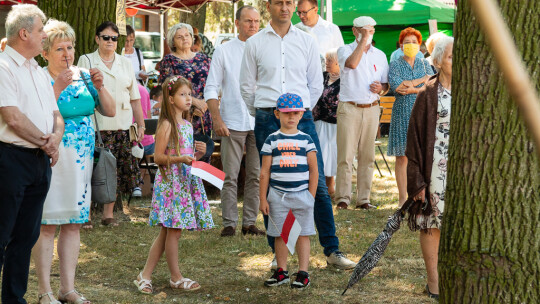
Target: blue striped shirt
289,171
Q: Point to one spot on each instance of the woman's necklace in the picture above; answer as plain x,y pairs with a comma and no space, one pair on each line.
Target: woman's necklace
107,61
54,76
190,56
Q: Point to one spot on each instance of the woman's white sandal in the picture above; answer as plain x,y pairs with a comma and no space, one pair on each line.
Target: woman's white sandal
80,300
49,295
143,284
186,284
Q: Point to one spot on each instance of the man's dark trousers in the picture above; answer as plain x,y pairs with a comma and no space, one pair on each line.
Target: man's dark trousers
25,176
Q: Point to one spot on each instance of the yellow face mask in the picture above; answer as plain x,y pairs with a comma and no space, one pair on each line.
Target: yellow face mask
411,49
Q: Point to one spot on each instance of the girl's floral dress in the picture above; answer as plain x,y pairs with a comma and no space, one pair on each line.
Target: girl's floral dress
437,186
179,200
68,199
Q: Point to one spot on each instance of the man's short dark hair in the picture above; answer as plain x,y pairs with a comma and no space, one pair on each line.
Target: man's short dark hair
239,11
105,25
129,30
313,2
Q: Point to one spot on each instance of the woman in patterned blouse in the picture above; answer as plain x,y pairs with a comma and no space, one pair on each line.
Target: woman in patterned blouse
324,114
194,67
427,153
406,76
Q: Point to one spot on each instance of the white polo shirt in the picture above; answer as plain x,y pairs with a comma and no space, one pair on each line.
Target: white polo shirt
328,35
25,85
224,75
273,66
354,83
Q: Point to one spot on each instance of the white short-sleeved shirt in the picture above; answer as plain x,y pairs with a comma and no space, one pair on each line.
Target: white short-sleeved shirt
121,83
354,83
328,35
25,85
224,75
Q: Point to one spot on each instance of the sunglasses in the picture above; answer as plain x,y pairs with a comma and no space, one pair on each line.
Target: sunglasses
107,38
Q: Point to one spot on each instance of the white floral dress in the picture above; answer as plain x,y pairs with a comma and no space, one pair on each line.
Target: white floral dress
437,185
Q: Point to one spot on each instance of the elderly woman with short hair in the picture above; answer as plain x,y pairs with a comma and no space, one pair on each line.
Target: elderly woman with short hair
119,78
67,205
194,67
427,152
406,76
325,117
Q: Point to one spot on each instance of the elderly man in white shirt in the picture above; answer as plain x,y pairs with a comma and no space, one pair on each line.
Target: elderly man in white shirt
328,34
31,129
231,121
364,77
283,59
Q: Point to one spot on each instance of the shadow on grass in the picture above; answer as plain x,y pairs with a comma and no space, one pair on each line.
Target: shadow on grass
232,270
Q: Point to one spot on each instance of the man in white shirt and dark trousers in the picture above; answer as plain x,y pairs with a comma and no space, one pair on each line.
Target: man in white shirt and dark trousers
231,121
328,34
283,59
31,129
364,77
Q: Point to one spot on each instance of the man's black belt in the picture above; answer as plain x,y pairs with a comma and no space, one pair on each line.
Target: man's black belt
270,110
35,151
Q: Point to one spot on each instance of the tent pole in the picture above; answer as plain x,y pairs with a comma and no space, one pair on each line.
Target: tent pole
235,8
329,17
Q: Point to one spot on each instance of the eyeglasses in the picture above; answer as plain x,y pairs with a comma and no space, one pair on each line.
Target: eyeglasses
300,14
107,38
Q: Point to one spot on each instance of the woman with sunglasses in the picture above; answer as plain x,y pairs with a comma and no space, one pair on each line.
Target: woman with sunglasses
119,79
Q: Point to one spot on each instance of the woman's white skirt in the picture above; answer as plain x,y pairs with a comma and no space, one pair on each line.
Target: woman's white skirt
327,133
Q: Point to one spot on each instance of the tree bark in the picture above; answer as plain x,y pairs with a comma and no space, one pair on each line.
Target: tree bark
490,244
84,16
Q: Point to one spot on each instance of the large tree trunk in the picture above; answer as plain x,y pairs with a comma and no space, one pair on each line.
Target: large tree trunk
490,244
84,16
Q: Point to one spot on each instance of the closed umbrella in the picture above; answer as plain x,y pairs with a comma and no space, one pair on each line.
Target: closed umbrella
374,253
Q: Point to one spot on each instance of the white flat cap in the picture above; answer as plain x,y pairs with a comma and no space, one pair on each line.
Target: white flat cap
363,21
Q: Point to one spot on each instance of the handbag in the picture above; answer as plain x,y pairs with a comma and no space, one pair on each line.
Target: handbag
104,174
104,170
133,132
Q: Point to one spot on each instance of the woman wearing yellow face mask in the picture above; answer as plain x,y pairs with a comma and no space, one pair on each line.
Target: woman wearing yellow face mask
406,76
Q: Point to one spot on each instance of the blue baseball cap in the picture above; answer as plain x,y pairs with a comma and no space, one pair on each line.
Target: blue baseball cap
289,102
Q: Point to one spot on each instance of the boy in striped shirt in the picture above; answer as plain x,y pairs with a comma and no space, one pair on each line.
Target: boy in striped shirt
289,167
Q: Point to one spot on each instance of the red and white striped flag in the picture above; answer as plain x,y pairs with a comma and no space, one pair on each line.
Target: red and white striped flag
290,231
208,172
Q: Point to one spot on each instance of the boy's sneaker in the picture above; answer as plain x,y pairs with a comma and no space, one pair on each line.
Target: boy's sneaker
279,277
302,280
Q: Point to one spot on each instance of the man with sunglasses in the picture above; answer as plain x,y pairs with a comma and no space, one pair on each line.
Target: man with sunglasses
283,59
328,34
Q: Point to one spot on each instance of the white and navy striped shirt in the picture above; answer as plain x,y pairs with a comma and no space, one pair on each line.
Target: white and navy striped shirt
289,171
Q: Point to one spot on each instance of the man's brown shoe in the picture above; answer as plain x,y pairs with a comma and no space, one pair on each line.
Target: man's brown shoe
342,205
366,206
252,230
228,231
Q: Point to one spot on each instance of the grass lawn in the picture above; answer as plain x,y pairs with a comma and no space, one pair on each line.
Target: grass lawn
232,270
